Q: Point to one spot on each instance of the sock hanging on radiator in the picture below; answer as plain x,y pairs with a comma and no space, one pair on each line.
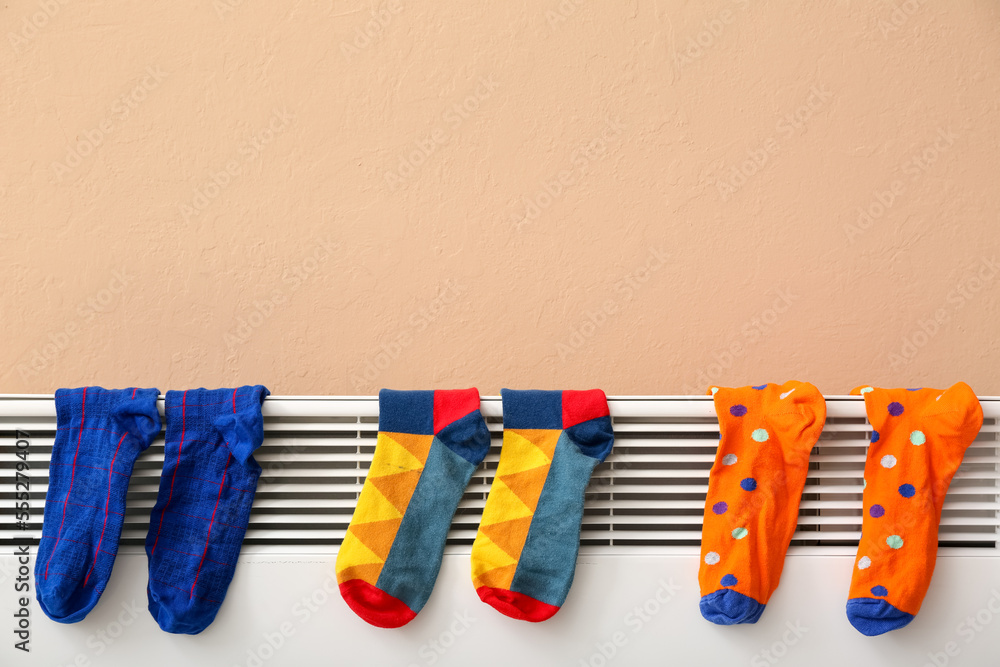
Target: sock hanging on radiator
99,434
754,489
524,555
429,443
202,510
918,441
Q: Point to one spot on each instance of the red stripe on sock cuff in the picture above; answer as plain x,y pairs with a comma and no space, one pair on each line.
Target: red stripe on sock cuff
516,605
581,406
450,405
374,606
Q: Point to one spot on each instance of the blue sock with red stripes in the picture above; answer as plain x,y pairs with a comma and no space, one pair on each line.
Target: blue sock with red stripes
203,507
99,434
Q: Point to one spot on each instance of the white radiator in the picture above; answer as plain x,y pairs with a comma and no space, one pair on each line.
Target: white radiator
635,597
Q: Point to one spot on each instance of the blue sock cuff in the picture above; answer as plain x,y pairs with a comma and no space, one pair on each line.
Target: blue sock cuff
235,413
532,409
132,410
406,411
243,427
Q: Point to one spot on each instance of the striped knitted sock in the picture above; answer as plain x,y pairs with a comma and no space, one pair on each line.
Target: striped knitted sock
429,444
203,507
524,556
99,434
918,442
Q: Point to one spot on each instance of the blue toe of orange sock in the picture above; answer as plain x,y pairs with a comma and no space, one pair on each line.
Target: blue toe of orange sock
728,607
872,617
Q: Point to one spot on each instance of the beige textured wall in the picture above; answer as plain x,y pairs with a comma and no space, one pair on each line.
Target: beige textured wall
331,197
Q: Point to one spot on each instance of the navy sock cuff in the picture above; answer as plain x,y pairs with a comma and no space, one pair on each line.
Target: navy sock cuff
532,409
235,413
406,411
128,410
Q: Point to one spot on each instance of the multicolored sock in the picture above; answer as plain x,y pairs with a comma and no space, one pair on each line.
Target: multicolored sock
429,443
754,488
524,556
919,438
99,434
202,510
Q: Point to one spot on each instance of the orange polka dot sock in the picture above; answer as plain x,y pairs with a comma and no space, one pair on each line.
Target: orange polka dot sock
754,489
918,440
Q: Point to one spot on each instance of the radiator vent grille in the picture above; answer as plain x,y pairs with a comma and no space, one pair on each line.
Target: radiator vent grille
647,497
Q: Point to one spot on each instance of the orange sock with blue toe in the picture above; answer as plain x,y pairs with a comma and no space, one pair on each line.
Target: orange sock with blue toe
754,488
918,440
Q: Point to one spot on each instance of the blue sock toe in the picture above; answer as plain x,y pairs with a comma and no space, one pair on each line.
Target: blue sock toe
728,607
872,617
68,609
